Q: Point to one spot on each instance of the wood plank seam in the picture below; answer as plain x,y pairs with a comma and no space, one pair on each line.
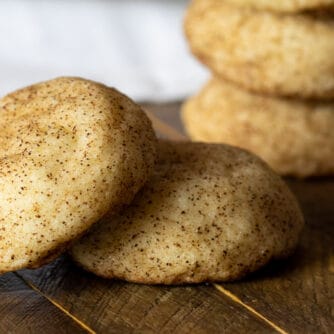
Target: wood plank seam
60,307
237,300
164,128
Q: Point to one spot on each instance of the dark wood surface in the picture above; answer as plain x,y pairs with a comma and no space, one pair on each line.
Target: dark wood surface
23,310
292,296
117,307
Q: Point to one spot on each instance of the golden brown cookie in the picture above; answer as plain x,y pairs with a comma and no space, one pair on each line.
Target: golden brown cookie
293,136
70,150
289,55
209,213
287,6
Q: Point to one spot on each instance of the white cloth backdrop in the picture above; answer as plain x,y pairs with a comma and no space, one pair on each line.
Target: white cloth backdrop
135,45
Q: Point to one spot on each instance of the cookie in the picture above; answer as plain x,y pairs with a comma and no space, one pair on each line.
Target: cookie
295,137
287,6
209,213
266,52
70,150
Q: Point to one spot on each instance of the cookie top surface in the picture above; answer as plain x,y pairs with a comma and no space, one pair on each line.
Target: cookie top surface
70,150
294,136
287,6
209,213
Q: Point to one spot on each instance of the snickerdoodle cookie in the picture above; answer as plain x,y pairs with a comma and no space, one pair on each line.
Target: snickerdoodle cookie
211,212
287,6
267,52
293,136
70,150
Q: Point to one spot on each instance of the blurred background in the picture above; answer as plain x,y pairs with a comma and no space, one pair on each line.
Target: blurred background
137,46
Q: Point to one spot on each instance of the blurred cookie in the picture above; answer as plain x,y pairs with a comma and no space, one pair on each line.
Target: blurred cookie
289,55
209,213
293,136
288,6
70,150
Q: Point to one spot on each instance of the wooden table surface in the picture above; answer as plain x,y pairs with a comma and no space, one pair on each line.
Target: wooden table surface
294,296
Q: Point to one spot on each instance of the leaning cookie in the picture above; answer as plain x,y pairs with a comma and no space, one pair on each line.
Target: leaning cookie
266,52
209,213
287,6
70,150
293,136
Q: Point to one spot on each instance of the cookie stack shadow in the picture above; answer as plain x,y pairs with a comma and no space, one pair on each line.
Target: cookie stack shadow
272,90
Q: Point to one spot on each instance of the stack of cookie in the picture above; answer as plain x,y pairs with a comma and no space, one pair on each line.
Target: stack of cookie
273,86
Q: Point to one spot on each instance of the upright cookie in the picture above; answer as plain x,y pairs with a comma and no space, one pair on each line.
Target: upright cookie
289,55
295,137
70,150
209,213
287,6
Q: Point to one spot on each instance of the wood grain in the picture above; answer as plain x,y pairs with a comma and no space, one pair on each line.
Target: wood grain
24,311
119,307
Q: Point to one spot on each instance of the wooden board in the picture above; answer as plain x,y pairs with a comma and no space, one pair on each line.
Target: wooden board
294,296
23,310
